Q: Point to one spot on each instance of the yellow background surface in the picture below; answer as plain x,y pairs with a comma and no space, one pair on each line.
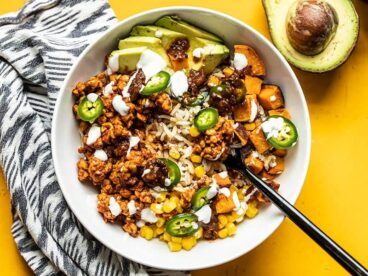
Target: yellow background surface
335,192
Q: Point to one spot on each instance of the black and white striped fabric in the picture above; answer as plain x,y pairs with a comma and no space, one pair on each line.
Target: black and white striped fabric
38,45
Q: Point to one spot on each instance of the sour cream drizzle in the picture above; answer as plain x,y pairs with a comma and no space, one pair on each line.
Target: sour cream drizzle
114,207
93,134
133,141
113,64
92,97
108,88
204,214
179,83
120,106
240,61
101,155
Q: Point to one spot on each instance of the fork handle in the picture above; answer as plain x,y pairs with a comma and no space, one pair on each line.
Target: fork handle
331,247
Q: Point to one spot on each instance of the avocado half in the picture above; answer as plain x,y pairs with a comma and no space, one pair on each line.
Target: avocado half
337,50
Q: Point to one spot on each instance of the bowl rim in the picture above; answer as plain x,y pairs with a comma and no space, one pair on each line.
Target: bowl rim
304,107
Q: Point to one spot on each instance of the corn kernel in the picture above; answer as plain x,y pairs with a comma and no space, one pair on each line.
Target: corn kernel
231,228
252,209
194,132
232,217
213,81
223,233
159,230
161,197
250,126
174,246
146,232
174,154
167,237
199,233
168,206
156,208
222,221
176,239
199,171
179,208
196,158
240,195
160,222
175,199
161,238
228,71
188,242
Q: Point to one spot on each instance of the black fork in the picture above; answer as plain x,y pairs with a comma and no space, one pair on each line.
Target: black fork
324,241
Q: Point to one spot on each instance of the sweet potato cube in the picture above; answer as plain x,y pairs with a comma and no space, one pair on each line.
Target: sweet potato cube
228,71
178,64
242,134
281,112
271,97
279,152
213,81
224,204
259,141
254,61
222,181
279,168
253,85
266,176
246,111
254,163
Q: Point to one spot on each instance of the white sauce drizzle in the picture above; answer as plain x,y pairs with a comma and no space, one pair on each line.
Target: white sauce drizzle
151,63
179,83
125,92
273,126
131,207
114,207
120,106
108,88
92,97
148,215
167,182
240,61
204,214
133,141
113,64
101,155
223,174
145,172
93,134
212,192
198,52
158,34
225,191
253,110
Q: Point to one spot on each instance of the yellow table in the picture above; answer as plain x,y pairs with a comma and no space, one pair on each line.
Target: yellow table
334,195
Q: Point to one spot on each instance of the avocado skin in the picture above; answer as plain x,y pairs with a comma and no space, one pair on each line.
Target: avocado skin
174,23
339,48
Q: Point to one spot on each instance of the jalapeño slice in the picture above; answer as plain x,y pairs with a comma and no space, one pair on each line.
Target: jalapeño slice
206,118
182,225
157,83
280,132
174,171
89,111
218,89
201,98
199,198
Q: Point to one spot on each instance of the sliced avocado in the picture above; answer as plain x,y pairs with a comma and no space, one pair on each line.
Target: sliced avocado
128,58
287,34
212,54
174,23
139,41
151,43
167,36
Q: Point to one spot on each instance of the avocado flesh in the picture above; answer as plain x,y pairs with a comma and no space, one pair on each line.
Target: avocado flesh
174,23
213,54
336,52
128,58
167,38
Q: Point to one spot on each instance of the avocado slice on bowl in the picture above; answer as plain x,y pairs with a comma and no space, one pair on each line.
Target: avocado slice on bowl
313,41
139,41
206,54
167,36
174,23
128,58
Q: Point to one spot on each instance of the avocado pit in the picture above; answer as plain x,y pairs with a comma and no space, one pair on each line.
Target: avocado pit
311,25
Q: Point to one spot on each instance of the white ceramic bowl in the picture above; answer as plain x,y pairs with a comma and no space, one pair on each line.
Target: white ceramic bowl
82,198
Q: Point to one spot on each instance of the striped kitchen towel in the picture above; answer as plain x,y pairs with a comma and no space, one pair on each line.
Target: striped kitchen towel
38,45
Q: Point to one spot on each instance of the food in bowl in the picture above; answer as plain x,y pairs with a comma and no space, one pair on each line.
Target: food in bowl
159,123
